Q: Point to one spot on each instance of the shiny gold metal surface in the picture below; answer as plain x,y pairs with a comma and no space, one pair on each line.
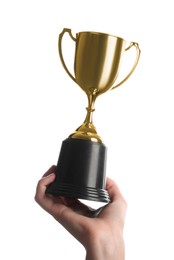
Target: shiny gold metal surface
96,67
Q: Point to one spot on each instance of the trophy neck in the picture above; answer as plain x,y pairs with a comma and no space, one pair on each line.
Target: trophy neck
90,109
87,130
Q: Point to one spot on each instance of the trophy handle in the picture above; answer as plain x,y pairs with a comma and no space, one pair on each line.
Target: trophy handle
60,50
135,63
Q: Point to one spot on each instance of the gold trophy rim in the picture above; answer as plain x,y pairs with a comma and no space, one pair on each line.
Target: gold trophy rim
102,33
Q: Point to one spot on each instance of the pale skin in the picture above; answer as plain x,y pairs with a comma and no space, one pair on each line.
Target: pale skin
101,232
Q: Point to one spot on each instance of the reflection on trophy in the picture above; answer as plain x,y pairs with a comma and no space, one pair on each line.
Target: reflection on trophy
81,167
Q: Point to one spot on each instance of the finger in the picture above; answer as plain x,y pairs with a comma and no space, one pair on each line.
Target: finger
116,210
66,216
41,198
49,171
113,190
45,181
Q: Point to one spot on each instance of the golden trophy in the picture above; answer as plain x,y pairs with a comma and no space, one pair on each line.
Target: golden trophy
81,167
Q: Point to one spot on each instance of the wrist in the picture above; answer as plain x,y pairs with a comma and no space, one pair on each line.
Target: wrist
103,248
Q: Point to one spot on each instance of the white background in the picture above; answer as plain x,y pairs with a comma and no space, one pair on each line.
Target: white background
40,106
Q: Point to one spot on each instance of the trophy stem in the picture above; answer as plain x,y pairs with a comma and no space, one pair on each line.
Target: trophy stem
90,109
87,130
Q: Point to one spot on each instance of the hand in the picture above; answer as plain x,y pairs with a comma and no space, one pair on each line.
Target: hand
100,232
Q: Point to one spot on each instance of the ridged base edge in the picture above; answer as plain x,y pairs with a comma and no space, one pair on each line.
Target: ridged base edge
72,191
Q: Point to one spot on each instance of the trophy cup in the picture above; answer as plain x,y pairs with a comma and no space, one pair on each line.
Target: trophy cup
81,167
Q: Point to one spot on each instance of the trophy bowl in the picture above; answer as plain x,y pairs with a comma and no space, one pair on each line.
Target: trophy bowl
81,166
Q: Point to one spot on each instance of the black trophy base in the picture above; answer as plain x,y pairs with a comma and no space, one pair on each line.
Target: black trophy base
81,171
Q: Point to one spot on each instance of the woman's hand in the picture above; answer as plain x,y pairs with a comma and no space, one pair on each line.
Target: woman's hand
99,231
